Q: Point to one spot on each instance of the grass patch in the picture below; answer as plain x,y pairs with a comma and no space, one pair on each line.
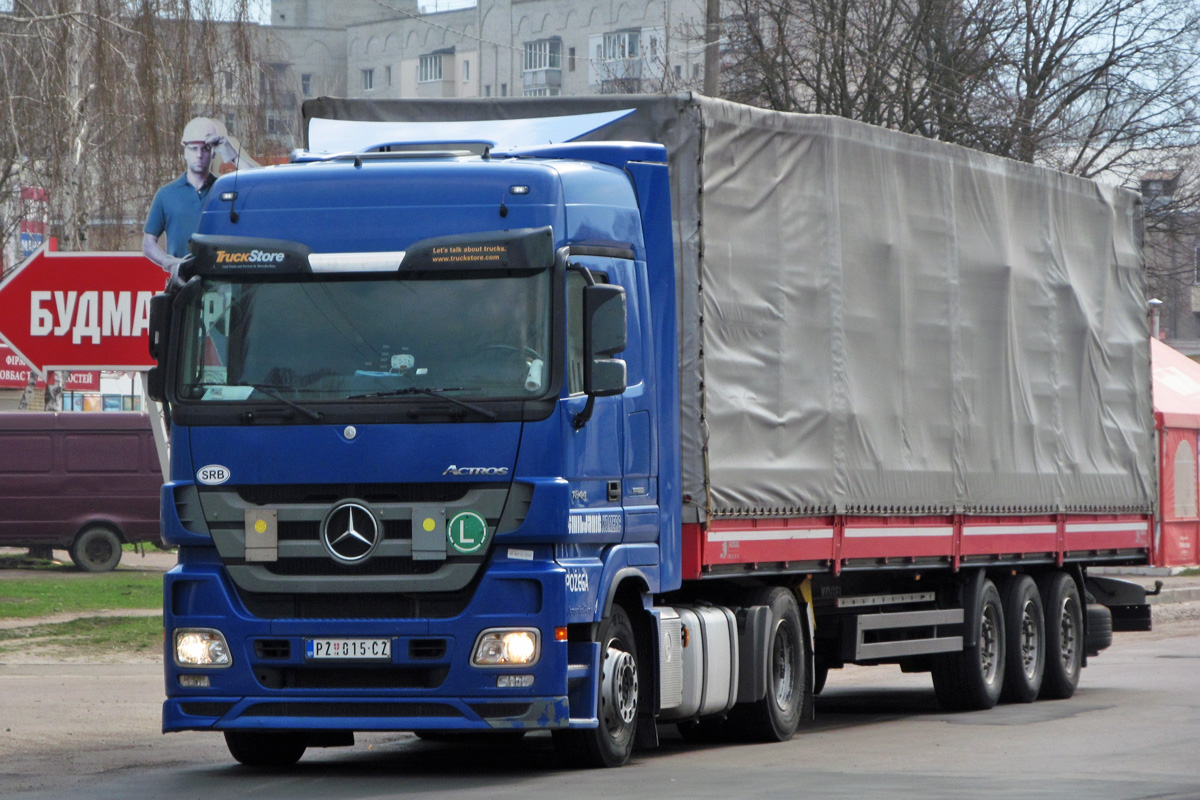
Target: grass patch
90,636
38,597
1190,572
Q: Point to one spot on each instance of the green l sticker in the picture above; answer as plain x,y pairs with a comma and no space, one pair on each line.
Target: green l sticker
467,532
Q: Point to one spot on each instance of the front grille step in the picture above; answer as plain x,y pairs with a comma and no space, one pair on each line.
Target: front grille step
351,710
351,677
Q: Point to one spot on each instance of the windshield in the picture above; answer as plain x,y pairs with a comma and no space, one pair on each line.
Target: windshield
480,334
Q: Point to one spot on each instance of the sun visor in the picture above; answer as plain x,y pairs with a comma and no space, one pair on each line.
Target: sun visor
355,136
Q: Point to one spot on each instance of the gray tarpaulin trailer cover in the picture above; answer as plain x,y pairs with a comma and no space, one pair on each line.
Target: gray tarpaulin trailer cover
875,323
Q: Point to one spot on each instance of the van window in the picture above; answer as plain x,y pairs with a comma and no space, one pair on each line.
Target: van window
27,454
103,453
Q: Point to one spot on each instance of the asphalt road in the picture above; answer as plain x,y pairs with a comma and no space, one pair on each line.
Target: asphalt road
1132,731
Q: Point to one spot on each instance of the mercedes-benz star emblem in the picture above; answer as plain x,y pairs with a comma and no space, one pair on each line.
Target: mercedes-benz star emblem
350,533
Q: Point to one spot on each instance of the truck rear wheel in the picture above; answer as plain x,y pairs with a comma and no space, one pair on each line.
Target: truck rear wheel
265,749
1064,631
96,549
610,743
1026,633
775,717
971,680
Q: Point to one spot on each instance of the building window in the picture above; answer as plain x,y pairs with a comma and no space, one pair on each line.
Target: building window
466,70
504,90
306,84
368,80
543,91
231,123
387,75
543,54
1196,265
430,68
678,72
571,59
228,81
487,90
620,45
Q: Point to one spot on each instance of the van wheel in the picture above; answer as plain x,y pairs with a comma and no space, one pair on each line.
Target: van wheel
96,549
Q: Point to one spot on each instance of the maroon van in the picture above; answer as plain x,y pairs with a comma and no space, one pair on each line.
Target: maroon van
84,482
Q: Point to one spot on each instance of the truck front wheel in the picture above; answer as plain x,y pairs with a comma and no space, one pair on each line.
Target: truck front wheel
96,549
611,742
265,749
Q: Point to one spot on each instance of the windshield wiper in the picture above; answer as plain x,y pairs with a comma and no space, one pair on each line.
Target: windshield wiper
269,391
438,393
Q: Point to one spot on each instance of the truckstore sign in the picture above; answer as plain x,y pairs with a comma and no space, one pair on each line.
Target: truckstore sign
80,311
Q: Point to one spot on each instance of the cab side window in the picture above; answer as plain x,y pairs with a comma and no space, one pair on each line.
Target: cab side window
575,284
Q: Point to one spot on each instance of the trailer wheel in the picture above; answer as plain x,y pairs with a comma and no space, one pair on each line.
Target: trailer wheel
971,680
776,716
265,749
611,742
96,549
1064,630
1026,640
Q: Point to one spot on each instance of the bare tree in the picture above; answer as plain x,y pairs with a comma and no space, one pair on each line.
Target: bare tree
1088,86
914,65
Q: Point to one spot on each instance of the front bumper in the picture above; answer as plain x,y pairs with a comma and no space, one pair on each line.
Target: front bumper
426,684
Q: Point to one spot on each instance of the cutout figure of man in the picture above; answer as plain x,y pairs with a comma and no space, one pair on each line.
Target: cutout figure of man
176,207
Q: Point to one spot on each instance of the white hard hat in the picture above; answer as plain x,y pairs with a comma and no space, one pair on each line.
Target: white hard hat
198,130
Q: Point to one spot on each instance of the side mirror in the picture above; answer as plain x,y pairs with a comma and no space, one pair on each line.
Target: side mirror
160,307
605,333
156,384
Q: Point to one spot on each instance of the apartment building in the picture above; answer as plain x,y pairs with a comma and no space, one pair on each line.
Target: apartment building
493,48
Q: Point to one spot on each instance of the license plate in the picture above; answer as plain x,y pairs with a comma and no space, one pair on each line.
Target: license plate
321,649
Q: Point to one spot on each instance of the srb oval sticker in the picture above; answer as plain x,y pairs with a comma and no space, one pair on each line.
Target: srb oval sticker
212,475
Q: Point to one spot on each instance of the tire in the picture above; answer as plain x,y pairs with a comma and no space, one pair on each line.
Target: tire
1026,640
776,716
265,749
1099,628
610,743
1064,635
96,549
972,679
820,676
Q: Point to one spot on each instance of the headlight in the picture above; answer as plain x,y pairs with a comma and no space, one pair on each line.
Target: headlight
501,647
201,647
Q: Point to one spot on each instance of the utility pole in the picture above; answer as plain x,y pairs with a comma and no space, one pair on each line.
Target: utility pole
712,50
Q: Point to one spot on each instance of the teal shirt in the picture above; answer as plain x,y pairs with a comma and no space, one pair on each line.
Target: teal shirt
176,210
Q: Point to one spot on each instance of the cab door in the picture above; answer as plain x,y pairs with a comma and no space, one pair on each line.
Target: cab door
595,450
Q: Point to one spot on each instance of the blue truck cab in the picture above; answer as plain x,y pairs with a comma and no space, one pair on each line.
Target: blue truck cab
418,407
